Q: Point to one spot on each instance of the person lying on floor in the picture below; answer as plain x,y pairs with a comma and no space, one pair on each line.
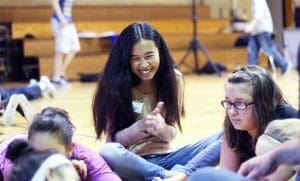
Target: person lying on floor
17,99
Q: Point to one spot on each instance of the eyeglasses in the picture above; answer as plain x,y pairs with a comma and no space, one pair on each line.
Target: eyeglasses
236,105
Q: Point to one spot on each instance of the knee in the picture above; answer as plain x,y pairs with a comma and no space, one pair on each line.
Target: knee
111,151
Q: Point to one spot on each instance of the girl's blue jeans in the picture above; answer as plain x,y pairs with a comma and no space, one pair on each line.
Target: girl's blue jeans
31,93
212,174
187,159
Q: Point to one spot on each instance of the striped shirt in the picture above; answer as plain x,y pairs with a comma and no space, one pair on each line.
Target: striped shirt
66,8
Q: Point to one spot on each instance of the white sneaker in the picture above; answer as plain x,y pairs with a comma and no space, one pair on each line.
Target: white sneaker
61,83
27,108
10,110
156,179
50,88
32,82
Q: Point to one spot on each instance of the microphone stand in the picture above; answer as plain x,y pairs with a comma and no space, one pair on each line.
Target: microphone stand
195,45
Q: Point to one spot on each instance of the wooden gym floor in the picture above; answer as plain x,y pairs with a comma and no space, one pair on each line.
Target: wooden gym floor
204,114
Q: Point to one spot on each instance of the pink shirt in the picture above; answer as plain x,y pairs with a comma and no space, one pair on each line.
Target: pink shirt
96,166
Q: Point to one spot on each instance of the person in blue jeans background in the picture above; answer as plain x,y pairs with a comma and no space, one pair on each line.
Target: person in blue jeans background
261,29
34,90
138,105
13,99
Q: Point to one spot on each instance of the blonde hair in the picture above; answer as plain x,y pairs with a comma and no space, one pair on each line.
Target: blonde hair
277,132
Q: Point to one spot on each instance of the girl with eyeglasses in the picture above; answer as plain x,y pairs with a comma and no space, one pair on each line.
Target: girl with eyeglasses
252,101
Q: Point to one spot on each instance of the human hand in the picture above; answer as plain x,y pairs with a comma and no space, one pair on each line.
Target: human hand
247,29
81,167
154,122
250,26
257,167
63,22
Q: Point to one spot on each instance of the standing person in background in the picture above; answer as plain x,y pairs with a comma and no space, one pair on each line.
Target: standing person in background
66,40
261,29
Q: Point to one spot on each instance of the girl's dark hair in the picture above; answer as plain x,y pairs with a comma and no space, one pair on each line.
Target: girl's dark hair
17,149
55,121
26,160
113,99
266,97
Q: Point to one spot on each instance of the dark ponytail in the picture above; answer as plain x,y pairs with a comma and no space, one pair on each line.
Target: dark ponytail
18,148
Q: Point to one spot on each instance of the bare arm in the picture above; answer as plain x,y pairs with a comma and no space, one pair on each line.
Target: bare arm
283,172
229,159
58,12
286,153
